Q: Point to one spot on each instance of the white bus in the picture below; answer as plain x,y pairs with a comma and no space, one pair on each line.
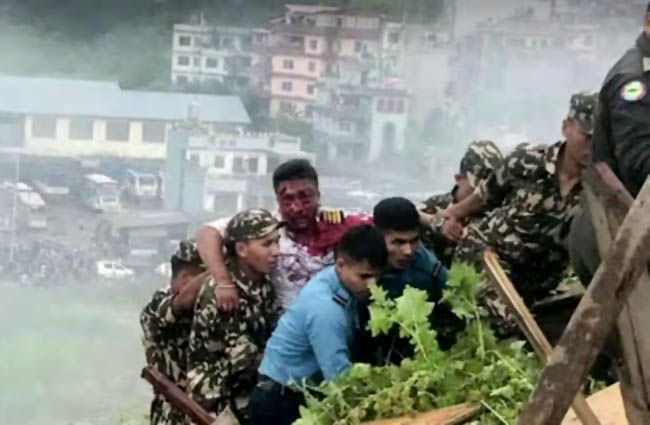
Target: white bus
100,193
52,185
31,209
141,186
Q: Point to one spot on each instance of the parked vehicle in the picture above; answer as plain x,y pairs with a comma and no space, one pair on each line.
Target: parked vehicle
31,209
140,186
100,193
114,270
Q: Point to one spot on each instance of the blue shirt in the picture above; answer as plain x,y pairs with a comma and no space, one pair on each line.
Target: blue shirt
312,339
424,272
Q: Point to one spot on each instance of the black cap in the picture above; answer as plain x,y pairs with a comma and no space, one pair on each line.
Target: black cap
648,8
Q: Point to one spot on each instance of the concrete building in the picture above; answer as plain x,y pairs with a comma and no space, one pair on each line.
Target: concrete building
311,42
360,123
77,118
222,173
204,54
506,71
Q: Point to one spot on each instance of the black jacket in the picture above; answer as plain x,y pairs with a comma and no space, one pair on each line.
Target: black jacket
622,132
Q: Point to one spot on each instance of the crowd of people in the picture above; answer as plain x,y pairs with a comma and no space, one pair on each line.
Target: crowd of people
261,303
48,262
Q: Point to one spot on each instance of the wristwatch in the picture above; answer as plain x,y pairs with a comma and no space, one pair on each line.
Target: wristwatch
437,223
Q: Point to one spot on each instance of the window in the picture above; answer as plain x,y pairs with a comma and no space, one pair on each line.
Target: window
287,86
287,64
310,89
393,37
228,43
286,107
44,127
358,46
197,41
345,126
238,165
589,40
390,106
197,61
309,111
81,129
181,79
194,158
313,44
117,130
219,161
153,131
253,165
183,61
211,63
399,106
312,66
381,105
184,40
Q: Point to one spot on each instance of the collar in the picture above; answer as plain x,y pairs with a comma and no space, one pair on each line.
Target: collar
643,44
340,293
240,279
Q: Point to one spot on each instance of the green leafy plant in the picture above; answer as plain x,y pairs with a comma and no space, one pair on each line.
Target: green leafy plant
498,375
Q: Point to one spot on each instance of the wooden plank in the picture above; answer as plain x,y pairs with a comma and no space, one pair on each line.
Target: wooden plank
608,204
453,415
608,405
529,326
594,318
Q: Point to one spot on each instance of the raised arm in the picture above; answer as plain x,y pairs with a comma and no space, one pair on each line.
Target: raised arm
211,248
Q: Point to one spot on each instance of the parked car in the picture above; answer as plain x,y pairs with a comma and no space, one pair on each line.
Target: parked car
114,270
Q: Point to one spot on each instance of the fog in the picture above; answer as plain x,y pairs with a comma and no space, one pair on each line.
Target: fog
70,337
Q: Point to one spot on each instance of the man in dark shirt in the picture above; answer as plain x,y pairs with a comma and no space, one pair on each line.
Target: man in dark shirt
621,139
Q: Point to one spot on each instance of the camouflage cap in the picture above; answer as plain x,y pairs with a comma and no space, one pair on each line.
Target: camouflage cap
251,224
583,108
480,160
187,252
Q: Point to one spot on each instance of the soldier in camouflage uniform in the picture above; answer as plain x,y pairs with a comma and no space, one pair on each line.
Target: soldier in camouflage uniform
480,160
530,201
166,323
226,347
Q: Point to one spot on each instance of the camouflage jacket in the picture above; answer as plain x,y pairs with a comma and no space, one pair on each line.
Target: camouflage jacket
527,218
225,348
432,239
165,339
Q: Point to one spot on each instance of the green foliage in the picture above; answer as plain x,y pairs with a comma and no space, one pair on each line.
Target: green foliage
479,368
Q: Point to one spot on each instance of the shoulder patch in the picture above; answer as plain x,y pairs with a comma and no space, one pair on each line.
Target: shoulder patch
633,91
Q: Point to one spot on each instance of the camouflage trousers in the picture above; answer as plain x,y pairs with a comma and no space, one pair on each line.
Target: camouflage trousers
533,280
162,413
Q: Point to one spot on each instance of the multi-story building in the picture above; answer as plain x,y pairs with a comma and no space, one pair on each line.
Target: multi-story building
311,42
355,122
507,71
204,54
224,173
77,118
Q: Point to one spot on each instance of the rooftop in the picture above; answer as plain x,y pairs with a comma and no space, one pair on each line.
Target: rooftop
53,96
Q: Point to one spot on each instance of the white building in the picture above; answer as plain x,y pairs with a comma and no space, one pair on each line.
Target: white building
203,54
225,173
78,118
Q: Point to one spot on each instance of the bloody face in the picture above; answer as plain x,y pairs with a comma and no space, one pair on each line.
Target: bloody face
298,201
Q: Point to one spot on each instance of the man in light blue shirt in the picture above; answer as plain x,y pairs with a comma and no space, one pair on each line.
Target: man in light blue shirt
312,339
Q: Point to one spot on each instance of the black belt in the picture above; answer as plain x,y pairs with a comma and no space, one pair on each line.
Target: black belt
267,384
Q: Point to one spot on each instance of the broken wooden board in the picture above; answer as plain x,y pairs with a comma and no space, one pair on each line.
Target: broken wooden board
608,406
594,318
452,415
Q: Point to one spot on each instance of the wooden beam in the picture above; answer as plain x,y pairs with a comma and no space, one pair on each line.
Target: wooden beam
608,203
594,318
531,329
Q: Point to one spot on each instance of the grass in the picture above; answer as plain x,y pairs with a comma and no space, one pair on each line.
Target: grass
72,355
